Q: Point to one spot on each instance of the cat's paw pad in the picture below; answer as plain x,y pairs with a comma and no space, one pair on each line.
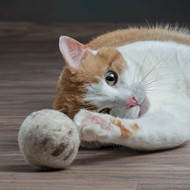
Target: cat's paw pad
93,132
93,126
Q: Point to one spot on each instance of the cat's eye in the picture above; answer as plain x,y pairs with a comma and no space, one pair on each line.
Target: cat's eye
111,78
105,111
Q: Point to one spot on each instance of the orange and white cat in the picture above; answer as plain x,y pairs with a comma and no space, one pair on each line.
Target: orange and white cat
138,77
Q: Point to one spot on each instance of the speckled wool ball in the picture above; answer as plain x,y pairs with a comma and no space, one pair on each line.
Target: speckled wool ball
48,139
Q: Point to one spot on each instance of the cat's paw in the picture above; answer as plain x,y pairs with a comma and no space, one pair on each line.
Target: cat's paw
93,126
105,128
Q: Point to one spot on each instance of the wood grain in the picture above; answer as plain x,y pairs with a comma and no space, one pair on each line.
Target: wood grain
30,64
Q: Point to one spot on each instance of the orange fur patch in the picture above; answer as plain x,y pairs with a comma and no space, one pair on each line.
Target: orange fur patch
125,132
134,127
69,95
71,88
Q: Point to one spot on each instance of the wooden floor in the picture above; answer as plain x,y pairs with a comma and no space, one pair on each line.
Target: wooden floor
30,64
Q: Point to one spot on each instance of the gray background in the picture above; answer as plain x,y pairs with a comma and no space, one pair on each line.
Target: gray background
130,11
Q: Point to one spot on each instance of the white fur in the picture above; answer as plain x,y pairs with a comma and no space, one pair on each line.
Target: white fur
159,74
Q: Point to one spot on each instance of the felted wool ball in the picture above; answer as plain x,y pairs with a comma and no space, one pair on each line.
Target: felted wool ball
48,139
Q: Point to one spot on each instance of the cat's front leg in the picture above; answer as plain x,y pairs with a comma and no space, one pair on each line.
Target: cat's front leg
158,130
103,128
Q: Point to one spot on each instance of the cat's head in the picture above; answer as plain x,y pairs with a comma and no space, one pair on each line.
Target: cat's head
98,81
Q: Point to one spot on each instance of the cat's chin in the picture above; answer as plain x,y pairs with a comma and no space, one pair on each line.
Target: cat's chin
133,113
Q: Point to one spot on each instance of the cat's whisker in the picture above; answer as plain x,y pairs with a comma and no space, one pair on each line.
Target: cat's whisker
155,81
154,68
155,85
157,88
144,61
168,76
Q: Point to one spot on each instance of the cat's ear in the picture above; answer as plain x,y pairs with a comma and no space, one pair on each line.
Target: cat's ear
73,52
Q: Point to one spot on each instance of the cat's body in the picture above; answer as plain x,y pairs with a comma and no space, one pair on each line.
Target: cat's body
144,85
130,35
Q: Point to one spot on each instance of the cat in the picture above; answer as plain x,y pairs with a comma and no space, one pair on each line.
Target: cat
128,87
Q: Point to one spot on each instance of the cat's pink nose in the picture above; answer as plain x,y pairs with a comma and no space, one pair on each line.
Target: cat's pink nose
132,102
